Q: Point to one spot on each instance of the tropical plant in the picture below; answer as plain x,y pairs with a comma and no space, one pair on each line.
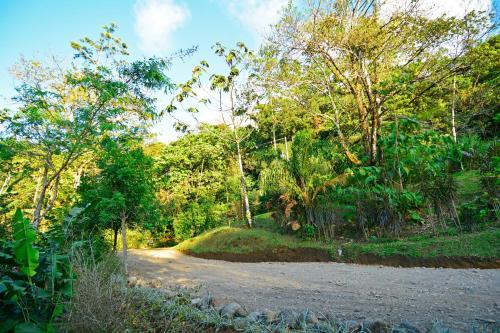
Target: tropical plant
374,57
35,283
303,178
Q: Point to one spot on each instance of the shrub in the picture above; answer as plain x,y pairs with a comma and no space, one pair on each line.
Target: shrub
308,231
378,205
197,218
473,150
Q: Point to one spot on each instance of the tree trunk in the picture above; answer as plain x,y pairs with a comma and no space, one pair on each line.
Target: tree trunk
124,240
309,215
375,126
37,214
35,196
373,138
336,121
78,176
453,129
5,183
396,146
274,139
287,157
248,214
115,239
363,121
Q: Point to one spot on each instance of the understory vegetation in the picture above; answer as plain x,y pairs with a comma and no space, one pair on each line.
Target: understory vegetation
349,131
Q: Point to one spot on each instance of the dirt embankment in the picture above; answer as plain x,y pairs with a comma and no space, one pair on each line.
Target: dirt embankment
436,262
285,254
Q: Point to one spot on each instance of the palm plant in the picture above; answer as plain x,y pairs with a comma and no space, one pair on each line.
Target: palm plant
301,179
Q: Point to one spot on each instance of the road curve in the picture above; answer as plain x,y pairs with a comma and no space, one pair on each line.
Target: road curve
456,297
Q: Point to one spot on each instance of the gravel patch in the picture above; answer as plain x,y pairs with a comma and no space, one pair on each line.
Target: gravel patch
458,298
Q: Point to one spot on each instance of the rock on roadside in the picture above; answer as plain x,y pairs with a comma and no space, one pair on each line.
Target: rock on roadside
264,316
406,327
203,303
232,310
377,326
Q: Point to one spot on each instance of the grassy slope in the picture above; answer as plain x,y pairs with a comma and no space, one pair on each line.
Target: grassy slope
239,239
243,240
468,185
484,244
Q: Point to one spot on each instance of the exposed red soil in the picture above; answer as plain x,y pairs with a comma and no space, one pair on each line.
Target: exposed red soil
436,262
282,254
285,254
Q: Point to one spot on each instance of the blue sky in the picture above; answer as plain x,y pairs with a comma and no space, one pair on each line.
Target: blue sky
40,28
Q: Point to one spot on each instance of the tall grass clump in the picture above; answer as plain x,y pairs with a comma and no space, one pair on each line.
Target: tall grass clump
99,303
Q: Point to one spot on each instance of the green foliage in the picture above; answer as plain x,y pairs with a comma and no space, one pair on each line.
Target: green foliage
479,89
197,218
309,231
194,167
479,189
65,112
198,182
136,239
34,283
380,206
24,237
122,188
302,179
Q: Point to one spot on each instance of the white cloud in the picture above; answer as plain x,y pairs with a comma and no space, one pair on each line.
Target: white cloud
155,21
255,15
436,8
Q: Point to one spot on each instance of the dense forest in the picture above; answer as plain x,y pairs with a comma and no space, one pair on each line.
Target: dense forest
347,123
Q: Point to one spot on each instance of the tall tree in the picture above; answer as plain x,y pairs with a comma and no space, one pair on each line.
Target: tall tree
122,191
373,56
65,113
232,101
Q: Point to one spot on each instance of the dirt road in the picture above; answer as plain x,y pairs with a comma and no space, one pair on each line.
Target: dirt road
456,297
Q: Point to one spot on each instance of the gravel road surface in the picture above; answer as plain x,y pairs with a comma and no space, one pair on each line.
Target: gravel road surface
456,297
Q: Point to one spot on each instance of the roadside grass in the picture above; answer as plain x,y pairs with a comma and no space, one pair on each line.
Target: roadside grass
484,244
265,237
262,221
244,240
266,221
468,185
